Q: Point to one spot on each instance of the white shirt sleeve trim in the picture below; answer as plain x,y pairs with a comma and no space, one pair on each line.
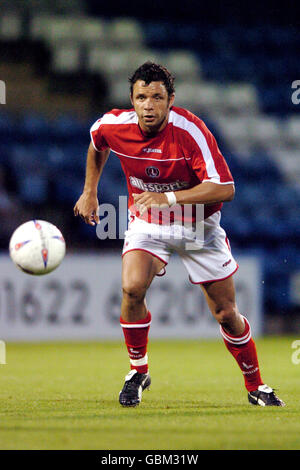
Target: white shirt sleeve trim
213,180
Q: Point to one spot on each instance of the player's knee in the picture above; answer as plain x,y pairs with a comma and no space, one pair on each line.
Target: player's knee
226,314
134,291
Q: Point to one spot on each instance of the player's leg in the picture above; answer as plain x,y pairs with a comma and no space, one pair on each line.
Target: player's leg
220,296
236,332
212,265
139,269
235,329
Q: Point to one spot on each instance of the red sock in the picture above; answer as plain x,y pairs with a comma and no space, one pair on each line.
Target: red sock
136,339
243,349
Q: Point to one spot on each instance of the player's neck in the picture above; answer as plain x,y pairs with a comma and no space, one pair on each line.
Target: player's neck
153,131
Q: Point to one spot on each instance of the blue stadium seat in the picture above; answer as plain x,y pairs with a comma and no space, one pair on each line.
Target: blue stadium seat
113,168
68,156
68,127
34,126
67,189
276,99
27,158
110,190
264,226
33,188
159,35
8,127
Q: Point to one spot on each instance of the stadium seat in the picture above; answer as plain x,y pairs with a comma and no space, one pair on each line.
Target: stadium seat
55,158
261,167
240,98
181,61
252,40
66,126
34,126
158,35
263,226
241,228
67,188
66,157
66,57
26,158
287,199
61,28
142,55
8,127
38,26
114,170
119,94
237,132
110,62
11,27
288,162
267,131
119,66
241,68
276,99
190,36
214,68
33,187
205,96
92,30
125,33
292,131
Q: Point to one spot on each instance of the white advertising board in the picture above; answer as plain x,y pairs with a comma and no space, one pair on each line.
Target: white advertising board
81,301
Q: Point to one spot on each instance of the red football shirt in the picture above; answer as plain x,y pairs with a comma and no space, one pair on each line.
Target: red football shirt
181,156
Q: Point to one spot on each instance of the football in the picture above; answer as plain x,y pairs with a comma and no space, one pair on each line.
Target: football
37,247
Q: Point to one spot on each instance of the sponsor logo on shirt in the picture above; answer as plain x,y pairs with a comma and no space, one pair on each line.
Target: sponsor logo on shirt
152,171
158,187
149,150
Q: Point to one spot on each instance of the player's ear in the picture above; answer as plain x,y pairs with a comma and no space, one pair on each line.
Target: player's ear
171,100
131,99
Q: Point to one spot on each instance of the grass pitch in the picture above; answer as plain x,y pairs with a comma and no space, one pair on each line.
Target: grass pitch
65,396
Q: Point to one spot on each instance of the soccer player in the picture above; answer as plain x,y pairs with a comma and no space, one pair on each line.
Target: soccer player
171,160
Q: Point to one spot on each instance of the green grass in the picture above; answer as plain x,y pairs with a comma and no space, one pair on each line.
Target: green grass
65,396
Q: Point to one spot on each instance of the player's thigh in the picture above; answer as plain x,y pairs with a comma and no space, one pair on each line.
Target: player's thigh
138,270
220,296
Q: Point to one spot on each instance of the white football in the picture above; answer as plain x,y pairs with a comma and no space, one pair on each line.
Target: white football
37,247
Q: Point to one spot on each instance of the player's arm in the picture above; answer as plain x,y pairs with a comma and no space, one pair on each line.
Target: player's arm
217,182
206,193
87,205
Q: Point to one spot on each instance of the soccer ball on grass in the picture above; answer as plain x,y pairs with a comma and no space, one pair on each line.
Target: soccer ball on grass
37,247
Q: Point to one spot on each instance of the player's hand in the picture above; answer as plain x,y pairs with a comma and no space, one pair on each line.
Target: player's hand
87,208
148,200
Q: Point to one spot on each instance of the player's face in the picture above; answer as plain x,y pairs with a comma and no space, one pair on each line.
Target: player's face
152,105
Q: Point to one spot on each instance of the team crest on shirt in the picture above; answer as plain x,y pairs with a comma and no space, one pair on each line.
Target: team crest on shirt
152,171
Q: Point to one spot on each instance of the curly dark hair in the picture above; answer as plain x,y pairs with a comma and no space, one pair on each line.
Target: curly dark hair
151,72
